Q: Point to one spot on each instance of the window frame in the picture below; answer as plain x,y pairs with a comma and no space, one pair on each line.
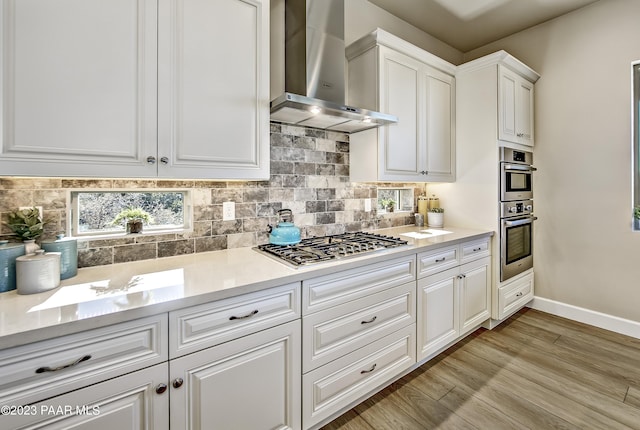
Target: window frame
72,204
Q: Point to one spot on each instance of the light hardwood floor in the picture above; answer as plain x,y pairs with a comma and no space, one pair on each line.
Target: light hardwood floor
534,371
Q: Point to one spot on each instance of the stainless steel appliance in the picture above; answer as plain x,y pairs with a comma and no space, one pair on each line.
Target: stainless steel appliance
328,248
516,238
516,173
315,71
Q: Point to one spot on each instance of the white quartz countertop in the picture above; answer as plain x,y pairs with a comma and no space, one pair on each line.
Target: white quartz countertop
104,295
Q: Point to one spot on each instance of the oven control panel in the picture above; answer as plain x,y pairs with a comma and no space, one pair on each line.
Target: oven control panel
516,208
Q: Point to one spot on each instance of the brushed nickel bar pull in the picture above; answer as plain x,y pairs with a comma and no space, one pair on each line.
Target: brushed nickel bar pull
250,314
370,370
55,369
369,321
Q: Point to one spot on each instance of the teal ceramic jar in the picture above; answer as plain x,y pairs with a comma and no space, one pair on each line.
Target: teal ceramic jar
68,249
8,254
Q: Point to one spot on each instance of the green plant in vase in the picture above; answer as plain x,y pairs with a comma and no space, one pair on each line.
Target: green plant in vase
636,217
134,219
435,217
28,225
388,204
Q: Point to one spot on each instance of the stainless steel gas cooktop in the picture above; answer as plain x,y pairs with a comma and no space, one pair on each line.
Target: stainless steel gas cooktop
326,248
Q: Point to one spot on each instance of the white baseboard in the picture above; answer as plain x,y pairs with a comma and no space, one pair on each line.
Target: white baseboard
586,316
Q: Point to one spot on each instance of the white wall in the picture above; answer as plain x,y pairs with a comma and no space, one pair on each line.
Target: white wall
585,252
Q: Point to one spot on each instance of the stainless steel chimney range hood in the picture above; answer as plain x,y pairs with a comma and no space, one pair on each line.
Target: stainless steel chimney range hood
314,71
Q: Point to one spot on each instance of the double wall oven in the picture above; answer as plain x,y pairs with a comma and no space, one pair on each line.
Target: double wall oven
516,212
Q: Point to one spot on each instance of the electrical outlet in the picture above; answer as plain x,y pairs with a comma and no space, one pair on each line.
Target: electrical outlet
30,207
228,211
367,205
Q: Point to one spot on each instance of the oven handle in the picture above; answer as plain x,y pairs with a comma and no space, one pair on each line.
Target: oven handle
519,168
522,221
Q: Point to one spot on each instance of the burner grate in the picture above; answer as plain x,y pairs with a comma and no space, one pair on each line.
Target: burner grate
326,248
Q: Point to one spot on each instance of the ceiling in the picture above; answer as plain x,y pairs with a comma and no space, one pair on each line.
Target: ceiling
469,24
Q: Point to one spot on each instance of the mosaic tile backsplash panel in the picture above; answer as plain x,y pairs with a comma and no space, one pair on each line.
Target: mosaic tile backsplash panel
309,175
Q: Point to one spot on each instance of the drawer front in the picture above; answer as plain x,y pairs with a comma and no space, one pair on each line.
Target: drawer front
327,390
330,334
431,262
474,250
40,370
515,295
202,326
325,292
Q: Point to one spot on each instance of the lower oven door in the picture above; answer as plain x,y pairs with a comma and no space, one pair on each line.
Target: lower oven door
516,246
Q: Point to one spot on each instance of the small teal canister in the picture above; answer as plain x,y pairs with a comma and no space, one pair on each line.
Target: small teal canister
8,254
68,249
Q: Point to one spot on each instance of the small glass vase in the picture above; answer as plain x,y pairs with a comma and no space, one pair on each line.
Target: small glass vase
30,246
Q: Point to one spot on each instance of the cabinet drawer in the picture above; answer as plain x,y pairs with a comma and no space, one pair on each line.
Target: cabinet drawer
474,250
342,329
514,295
40,370
202,326
324,292
339,384
431,262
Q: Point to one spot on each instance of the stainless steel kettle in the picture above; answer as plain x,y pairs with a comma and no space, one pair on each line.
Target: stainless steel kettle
285,232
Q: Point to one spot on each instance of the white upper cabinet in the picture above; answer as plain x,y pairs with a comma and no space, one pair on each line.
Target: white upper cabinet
515,107
214,89
390,75
135,88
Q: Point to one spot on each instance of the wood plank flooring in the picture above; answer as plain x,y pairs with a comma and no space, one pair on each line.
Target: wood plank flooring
534,371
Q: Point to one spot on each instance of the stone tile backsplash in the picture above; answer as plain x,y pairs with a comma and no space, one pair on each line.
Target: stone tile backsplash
309,175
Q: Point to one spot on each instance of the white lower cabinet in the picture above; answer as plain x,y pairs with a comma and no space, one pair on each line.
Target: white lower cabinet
358,330
137,401
514,294
249,383
451,303
331,388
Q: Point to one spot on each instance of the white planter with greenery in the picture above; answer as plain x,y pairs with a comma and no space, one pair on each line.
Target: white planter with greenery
435,218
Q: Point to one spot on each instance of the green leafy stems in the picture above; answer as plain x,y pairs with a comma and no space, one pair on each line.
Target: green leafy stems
26,223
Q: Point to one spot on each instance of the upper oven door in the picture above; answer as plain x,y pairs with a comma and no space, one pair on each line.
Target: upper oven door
516,182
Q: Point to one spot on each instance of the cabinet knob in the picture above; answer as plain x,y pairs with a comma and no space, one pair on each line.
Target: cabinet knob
164,160
177,383
424,172
161,388
151,159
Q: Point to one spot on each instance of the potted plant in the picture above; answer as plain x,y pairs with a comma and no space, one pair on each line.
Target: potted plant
134,218
28,225
388,204
636,217
435,217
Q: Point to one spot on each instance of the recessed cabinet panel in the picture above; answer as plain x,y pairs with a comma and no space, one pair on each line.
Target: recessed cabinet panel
253,382
515,108
215,88
400,141
440,155
78,90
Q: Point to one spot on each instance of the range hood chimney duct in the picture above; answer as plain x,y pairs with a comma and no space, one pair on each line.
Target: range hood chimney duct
314,71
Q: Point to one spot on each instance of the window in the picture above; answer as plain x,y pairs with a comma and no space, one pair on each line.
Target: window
100,213
395,199
635,149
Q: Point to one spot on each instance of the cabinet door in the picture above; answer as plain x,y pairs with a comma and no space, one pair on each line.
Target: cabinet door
400,153
515,108
214,89
250,383
475,294
132,402
438,320
437,131
78,95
